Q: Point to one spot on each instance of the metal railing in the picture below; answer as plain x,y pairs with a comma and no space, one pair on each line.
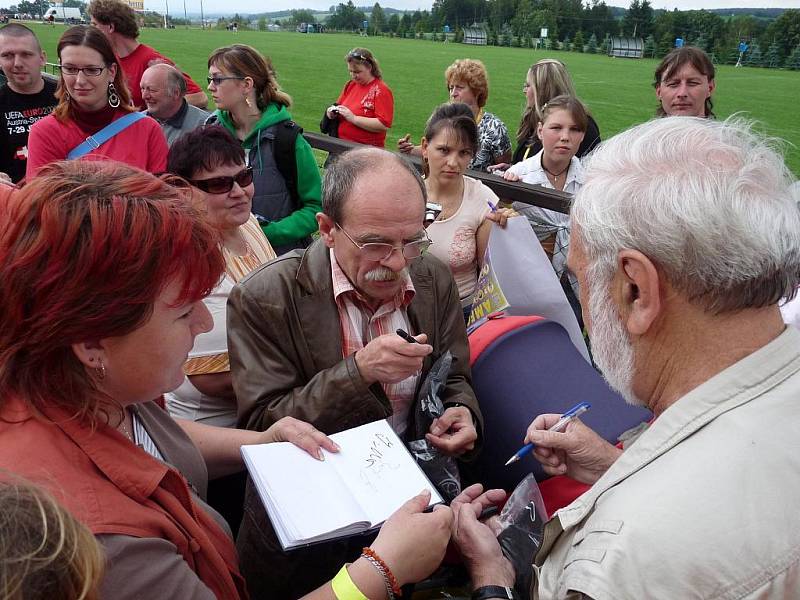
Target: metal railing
511,191
535,195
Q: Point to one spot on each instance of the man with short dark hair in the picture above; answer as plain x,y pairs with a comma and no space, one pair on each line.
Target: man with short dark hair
312,335
118,21
163,89
26,97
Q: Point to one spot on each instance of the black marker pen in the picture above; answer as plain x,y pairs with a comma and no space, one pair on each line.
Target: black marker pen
403,334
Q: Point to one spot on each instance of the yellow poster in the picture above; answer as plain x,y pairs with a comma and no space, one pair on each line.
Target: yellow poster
489,297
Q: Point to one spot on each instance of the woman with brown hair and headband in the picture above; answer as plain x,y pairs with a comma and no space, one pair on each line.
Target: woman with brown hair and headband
545,80
365,108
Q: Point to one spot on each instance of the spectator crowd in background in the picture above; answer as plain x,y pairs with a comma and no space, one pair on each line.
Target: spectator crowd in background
176,284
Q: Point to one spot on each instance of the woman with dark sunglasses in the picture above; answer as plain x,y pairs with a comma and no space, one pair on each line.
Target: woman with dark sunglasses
252,106
365,108
212,161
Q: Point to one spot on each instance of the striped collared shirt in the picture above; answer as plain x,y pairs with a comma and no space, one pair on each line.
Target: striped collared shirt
359,325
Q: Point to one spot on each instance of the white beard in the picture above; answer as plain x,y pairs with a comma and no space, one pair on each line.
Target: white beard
611,348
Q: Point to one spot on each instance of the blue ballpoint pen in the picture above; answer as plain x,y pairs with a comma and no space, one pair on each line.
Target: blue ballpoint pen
572,413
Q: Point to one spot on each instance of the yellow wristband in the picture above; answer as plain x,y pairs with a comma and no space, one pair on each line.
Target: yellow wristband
344,588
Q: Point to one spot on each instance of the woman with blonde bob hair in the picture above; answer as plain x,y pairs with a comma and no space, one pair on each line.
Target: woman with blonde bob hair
255,110
544,81
468,83
93,99
44,552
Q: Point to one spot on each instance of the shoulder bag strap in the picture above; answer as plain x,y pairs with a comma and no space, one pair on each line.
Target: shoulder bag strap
286,134
93,142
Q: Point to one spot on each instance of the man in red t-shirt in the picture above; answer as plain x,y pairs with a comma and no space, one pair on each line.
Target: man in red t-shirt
118,21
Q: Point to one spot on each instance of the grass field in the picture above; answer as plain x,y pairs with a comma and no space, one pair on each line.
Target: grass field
618,91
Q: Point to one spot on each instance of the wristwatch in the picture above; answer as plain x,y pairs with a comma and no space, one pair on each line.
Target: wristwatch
494,591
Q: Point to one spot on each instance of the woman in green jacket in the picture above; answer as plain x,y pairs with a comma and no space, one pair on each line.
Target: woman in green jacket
252,106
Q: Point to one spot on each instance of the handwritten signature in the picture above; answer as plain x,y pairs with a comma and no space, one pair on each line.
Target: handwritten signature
376,450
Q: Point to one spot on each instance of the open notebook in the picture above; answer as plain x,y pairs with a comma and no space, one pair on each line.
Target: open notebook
349,492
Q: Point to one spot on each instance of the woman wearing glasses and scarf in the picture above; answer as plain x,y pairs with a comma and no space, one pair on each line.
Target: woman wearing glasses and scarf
365,107
254,109
93,101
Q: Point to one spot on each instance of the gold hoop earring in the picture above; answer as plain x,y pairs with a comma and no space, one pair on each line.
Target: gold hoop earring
101,370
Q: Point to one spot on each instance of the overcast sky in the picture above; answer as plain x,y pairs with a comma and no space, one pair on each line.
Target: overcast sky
322,5
256,6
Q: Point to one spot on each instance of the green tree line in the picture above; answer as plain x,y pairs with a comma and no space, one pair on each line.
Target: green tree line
588,27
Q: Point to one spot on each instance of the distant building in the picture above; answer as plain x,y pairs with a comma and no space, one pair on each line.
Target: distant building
626,47
137,5
475,35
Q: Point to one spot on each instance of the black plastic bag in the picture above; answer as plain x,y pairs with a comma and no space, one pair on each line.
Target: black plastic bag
441,470
522,520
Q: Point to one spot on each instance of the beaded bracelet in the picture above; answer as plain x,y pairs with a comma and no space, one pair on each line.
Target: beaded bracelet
392,586
344,588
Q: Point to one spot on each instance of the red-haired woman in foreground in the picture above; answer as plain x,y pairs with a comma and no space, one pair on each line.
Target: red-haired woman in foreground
103,269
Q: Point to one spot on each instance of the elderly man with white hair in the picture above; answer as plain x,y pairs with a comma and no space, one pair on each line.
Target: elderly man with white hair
685,239
163,92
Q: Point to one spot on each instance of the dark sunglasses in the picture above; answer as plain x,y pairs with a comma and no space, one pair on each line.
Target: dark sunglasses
223,185
358,56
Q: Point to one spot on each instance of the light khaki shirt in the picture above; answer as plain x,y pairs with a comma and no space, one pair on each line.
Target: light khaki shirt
705,504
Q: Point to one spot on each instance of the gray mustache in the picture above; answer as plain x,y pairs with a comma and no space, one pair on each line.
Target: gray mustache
383,274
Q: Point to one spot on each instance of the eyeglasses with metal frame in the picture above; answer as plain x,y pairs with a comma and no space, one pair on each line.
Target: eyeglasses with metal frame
380,251
357,55
217,79
72,70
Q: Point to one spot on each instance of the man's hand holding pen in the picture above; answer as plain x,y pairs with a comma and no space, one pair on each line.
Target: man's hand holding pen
389,358
577,451
454,432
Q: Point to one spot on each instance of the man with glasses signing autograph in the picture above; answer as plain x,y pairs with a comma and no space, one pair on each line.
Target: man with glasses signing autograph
312,335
